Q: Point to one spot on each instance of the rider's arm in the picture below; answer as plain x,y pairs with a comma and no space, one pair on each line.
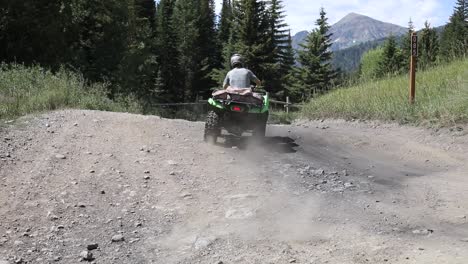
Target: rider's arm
258,82
254,78
226,82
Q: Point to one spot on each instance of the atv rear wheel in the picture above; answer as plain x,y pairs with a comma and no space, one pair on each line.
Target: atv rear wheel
212,127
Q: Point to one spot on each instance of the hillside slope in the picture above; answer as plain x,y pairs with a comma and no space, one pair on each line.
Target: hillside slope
441,99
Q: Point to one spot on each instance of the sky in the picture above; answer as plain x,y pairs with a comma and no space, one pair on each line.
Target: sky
301,14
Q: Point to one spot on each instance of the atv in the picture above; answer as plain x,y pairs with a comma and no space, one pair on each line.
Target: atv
236,113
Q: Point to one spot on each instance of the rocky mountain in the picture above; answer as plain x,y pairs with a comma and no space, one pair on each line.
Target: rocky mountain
355,29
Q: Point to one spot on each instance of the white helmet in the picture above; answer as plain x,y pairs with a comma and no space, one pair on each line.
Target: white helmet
237,60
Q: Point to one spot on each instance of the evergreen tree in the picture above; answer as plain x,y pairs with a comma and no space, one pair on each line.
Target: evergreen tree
428,46
146,9
250,35
279,45
168,59
454,41
288,59
225,23
316,73
138,67
186,21
209,48
392,59
287,67
406,44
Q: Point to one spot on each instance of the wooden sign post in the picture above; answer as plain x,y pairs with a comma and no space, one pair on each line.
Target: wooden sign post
413,63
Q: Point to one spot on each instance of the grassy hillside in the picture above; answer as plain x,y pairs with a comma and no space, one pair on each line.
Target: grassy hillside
441,99
26,90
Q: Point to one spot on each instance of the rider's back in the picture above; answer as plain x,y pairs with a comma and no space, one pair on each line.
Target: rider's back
240,78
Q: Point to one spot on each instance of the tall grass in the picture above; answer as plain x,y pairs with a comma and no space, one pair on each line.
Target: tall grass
441,99
26,90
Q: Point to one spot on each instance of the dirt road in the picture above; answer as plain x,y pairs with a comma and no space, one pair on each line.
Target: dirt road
120,188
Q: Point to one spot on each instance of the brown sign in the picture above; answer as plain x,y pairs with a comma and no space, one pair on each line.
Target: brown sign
414,45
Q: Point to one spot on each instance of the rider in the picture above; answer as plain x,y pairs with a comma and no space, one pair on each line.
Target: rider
239,77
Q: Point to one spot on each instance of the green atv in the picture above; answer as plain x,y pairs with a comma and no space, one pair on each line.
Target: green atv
236,115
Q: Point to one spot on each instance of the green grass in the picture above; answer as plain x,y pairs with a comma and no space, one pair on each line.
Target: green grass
441,99
25,90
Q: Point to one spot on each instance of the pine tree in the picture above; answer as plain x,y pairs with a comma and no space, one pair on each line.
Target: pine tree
209,47
428,46
225,23
454,42
146,9
279,44
168,59
287,67
250,35
392,59
406,44
288,59
138,67
316,73
186,21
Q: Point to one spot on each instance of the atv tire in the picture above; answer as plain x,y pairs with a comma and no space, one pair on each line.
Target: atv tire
212,127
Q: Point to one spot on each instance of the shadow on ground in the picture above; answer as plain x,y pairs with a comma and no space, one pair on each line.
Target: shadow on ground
273,144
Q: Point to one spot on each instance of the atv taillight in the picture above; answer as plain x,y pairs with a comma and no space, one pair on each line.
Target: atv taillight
237,109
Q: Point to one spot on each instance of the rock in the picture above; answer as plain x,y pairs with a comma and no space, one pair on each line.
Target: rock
239,214
205,242
464,240
371,177
344,173
423,232
60,156
147,172
172,163
118,238
134,240
92,171
172,173
147,177
292,261
318,172
186,195
54,217
86,255
92,246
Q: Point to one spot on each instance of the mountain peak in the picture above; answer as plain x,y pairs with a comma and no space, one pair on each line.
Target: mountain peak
354,29
352,15
355,17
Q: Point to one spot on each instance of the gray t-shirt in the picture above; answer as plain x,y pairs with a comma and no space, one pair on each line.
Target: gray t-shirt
240,78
